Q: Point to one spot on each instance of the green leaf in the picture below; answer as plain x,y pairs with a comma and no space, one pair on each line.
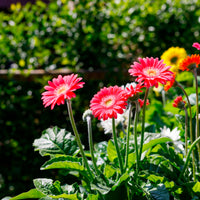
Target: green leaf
184,76
100,188
112,153
131,159
47,187
92,197
66,196
123,178
155,179
196,187
64,162
31,194
56,141
109,171
159,192
155,142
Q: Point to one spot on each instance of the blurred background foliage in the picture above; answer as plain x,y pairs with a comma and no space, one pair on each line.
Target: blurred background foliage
89,35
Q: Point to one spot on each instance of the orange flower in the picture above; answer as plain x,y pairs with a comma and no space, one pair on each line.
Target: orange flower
169,84
190,62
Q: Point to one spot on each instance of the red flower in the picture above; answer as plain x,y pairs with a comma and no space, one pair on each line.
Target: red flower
196,45
190,62
151,71
179,103
141,102
61,88
132,91
108,102
169,84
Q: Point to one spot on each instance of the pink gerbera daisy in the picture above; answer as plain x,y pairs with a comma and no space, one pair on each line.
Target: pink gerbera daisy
61,88
141,102
196,45
179,103
108,102
151,71
134,91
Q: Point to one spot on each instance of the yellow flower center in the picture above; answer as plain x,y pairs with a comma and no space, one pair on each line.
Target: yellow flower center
108,101
151,72
62,89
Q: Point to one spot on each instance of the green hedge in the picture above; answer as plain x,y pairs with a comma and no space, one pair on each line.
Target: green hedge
94,34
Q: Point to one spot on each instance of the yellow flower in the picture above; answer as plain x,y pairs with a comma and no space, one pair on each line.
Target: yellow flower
22,63
173,56
16,6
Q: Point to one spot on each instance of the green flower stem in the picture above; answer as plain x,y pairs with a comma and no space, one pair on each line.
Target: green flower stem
88,119
128,135
116,146
143,123
197,110
135,139
78,140
188,157
186,130
191,135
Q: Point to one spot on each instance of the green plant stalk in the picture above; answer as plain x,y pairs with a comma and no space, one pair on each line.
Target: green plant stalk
143,123
135,139
197,110
128,135
186,130
91,146
188,157
116,146
191,135
78,140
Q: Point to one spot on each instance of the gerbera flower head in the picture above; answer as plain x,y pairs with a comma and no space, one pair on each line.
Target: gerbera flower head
60,89
108,102
190,62
179,103
133,91
196,45
150,71
173,56
141,102
170,83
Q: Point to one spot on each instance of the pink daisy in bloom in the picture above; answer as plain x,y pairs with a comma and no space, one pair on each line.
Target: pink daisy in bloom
179,103
108,102
196,45
151,71
61,88
141,102
132,91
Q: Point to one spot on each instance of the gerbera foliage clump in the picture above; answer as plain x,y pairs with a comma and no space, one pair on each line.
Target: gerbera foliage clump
139,160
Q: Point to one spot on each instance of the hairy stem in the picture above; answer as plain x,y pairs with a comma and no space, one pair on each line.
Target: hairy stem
188,157
191,135
197,110
78,140
186,130
135,139
91,146
116,145
128,135
143,123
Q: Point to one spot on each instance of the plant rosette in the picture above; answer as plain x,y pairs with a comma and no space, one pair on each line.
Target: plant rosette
134,163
